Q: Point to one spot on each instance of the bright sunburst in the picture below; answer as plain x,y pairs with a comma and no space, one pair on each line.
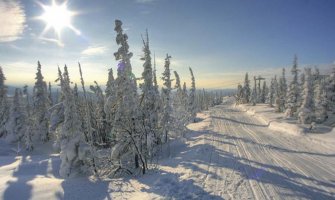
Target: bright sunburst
57,17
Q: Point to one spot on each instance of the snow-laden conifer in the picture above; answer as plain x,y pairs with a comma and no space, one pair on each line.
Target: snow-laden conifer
4,106
40,106
246,89
149,113
192,107
331,91
305,112
16,124
166,119
125,129
320,101
71,135
28,133
271,95
293,92
282,92
180,114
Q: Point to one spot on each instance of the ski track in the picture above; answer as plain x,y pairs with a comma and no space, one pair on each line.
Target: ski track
274,165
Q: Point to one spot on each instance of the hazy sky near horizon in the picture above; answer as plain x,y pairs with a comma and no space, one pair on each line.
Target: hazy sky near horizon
219,39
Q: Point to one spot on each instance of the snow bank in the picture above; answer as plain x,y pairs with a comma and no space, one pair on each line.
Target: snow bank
275,121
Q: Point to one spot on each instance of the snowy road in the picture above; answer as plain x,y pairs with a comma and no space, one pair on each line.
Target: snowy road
264,164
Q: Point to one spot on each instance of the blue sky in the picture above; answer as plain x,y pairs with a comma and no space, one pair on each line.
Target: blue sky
219,39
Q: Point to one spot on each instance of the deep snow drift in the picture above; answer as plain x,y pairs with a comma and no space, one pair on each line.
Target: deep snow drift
228,154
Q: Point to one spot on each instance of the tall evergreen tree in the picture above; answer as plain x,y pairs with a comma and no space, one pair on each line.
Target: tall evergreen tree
28,133
192,107
254,93
110,104
4,107
17,119
306,110
264,92
246,89
166,120
180,114
126,117
320,101
50,94
271,95
149,114
71,136
331,91
282,92
40,106
110,87
293,91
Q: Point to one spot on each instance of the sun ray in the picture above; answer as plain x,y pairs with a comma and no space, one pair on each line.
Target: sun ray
57,17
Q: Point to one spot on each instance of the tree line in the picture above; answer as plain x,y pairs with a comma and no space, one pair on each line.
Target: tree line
309,97
106,132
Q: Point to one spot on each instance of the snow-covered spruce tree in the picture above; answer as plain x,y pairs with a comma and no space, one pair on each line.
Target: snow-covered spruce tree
125,128
110,103
154,75
278,100
149,114
254,93
239,94
50,94
282,92
88,155
28,133
166,118
57,114
185,95
40,106
305,112
4,106
180,115
331,91
293,92
192,107
264,92
320,101
100,135
17,119
110,88
246,89
71,137
271,95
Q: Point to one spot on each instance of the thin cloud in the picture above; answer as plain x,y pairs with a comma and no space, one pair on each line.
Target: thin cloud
52,40
12,20
94,50
145,1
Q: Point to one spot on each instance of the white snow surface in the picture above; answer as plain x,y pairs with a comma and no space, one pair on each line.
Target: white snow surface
276,121
227,154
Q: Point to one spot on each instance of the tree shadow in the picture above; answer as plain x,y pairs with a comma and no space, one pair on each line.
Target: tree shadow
83,188
7,160
29,168
273,147
171,186
239,122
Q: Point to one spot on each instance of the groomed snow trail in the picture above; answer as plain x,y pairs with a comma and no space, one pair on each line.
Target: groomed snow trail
264,164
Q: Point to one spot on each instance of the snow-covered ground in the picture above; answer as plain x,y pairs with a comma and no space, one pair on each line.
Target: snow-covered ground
229,154
276,121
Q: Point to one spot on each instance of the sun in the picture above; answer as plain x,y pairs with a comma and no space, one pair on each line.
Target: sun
57,17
